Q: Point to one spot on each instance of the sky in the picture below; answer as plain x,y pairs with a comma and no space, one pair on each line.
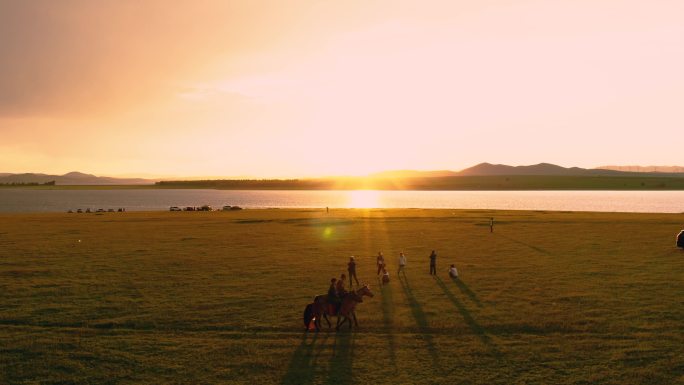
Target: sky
313,88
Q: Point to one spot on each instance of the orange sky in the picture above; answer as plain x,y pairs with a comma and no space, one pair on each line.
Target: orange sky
310,88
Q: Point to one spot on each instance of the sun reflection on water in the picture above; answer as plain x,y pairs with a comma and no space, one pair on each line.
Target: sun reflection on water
363,199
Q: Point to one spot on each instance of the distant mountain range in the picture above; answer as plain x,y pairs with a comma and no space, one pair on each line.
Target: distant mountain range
482,169
72,178
488,169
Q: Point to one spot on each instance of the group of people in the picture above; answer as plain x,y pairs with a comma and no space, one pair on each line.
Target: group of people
337,289
337,286
382,266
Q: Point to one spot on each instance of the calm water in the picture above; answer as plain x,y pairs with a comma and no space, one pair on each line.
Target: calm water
28,200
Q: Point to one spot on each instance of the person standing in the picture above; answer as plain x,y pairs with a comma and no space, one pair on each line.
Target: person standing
433,263
381,261
351,269
402,263
491,224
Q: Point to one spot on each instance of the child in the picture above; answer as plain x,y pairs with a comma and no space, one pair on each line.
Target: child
333,299
453,273
385,276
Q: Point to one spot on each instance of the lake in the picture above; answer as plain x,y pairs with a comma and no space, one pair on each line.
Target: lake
33,200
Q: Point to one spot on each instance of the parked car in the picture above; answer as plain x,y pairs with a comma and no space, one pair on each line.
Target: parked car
100,210
174,208
236,208
79,211
227,208
205,208
680,239
189,208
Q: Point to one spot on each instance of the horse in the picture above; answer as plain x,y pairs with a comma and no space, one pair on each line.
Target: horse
348,307
322,309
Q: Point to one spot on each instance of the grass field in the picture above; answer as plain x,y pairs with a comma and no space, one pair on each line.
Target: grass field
217,297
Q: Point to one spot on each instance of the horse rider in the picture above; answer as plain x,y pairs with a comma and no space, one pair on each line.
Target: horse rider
333,298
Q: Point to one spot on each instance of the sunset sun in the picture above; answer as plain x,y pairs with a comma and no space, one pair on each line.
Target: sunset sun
364,199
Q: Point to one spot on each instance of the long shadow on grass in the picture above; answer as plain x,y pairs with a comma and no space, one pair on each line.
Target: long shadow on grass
340,370
474,326
302,366
533,247
387,317
421,320
466,290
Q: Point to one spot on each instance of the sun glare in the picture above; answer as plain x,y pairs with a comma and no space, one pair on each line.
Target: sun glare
364,199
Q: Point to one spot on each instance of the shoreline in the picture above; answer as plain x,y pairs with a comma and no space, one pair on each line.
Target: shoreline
155,187
37,201
320,212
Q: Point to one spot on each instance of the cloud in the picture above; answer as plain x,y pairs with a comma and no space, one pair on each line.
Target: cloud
76,58
80,57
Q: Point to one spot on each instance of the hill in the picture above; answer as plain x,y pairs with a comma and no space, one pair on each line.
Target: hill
541,169
484,176
71,178
484,169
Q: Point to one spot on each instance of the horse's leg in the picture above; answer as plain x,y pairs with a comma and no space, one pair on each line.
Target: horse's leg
317,322
356,323
340,321
327,320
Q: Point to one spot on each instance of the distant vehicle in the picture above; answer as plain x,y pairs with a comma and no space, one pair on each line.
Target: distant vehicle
189,208
680,239
100,210
88,210
79,211
205,208
175,208
110,210
236,208
227,208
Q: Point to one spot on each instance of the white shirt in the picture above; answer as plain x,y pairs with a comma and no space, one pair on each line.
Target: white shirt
402,260
453,271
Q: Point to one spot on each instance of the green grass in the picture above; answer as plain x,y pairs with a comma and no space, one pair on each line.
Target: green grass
217,297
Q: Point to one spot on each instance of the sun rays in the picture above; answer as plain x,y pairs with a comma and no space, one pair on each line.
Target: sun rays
363,199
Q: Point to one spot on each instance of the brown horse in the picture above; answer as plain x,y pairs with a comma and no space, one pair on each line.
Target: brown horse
348,307
322,309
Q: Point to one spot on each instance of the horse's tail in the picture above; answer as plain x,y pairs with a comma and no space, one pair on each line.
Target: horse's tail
308,315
